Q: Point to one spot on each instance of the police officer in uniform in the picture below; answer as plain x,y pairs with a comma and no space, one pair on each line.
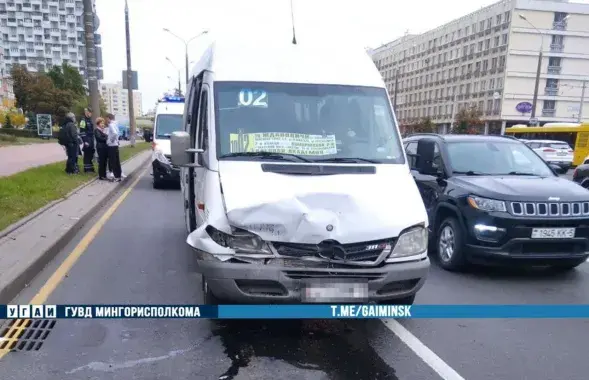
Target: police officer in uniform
87,132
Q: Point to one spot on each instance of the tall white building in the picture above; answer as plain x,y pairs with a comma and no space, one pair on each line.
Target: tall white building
489,58
43,33
116,99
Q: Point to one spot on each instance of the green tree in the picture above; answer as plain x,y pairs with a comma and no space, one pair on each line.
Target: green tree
46,98
67,78
22,81
467,121
8,124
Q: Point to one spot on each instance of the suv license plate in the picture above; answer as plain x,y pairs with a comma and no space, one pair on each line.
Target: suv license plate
335,292
553,233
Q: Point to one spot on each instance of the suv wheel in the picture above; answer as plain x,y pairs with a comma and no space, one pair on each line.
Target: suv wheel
450,245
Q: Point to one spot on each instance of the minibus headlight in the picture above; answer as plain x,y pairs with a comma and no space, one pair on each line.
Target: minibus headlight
412,242
240,241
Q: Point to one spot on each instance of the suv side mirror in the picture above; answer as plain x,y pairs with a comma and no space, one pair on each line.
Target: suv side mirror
555,169
425,157
180,144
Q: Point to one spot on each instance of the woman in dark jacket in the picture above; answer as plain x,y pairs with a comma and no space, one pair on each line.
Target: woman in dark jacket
100,133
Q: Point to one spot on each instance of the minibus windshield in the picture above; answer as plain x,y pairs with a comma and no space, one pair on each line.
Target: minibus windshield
322,123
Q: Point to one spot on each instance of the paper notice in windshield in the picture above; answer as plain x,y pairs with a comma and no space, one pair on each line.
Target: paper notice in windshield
290,143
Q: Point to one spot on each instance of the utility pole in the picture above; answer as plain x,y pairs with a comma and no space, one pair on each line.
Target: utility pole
396,90
580,118
130,77
91,70
536,85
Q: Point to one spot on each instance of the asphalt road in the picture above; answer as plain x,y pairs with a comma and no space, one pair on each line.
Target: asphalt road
140,257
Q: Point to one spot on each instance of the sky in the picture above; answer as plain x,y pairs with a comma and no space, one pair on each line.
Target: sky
366,23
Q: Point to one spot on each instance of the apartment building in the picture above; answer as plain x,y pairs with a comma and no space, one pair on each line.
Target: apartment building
489,59
116,99
44,33
7,98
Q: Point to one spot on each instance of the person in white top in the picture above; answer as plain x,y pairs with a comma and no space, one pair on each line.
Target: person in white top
113,147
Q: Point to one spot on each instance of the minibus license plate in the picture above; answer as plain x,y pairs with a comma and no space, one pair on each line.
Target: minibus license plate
335,292
553,233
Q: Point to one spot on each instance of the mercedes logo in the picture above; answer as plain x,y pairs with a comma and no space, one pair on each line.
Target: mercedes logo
329,227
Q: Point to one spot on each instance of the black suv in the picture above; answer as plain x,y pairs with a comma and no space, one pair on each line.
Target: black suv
492,199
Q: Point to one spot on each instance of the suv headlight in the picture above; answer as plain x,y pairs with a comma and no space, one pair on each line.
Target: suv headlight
486,204
240,241
159,155
411,242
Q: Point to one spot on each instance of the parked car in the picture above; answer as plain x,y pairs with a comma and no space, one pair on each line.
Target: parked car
581,174
554,152
488,204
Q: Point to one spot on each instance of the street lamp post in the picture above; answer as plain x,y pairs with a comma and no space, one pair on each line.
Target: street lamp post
179,80
185,42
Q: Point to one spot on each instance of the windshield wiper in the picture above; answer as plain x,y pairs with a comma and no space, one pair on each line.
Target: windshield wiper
271,155
347,159
469,172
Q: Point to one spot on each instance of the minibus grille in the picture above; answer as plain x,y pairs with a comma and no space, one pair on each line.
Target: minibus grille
369,251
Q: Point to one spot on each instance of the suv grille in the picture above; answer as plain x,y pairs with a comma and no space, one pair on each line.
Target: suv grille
559,209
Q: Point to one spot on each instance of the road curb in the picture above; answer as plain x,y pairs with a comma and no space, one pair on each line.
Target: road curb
13,227
21,281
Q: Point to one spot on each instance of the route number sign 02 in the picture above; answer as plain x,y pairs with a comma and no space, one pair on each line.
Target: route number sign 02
252,98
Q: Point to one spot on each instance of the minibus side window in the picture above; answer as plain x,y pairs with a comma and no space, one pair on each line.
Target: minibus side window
203,135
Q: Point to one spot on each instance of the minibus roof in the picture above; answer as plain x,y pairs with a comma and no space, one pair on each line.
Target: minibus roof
258,61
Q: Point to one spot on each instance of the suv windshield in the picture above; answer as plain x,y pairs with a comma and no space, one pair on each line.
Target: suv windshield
319,122
166,124
496,158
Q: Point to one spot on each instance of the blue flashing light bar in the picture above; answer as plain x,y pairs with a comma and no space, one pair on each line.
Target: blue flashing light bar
172,99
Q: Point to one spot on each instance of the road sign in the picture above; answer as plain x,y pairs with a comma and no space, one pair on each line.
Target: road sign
524,107
534,121
44,127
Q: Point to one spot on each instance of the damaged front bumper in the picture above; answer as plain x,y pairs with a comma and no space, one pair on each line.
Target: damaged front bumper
286,280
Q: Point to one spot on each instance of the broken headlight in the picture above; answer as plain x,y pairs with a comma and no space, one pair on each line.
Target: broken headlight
241,241
410,243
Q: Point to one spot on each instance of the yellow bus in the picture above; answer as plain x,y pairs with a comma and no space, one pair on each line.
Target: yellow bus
577,135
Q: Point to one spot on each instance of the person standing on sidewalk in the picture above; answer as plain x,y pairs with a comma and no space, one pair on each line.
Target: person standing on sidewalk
87,131
71,143
113,147
101,135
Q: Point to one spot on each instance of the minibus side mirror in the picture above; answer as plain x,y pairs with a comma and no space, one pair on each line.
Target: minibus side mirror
425,157
181,151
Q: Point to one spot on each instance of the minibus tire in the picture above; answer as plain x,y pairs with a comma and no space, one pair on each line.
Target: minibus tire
208,296
399,301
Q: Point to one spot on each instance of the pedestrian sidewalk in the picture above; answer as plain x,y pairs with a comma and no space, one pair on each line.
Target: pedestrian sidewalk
26,249
17,158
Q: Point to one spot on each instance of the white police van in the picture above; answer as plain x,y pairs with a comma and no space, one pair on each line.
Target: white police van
168,119
296,186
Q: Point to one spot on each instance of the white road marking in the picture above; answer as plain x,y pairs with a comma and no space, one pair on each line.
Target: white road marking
428,356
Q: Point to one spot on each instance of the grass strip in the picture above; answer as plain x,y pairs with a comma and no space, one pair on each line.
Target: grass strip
23,193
